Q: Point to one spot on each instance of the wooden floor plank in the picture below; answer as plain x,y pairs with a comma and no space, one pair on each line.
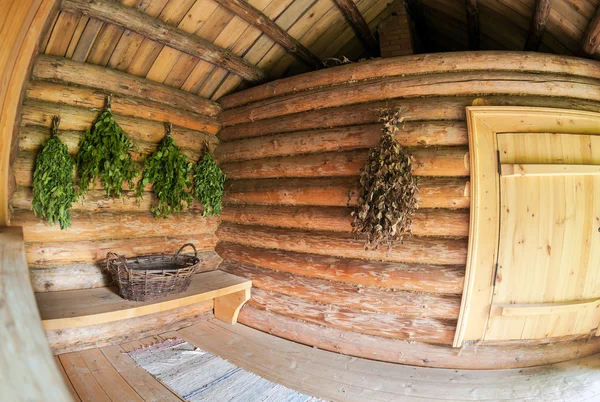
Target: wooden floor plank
82,378
325,374
148,387
109,379
67,381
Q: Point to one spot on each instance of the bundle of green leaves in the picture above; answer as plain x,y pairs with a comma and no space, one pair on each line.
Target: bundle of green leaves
168,170
388,191
208,184
53,191
105,153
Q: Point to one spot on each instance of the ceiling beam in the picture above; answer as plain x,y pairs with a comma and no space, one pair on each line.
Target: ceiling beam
257,19
359,26
591,39
538,25
473,24
161,32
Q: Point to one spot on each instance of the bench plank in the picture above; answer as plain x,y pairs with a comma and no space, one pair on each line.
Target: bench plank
80,308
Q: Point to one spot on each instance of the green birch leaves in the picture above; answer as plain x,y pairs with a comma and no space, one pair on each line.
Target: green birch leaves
53,191
168,170
388,191
208,184
105,153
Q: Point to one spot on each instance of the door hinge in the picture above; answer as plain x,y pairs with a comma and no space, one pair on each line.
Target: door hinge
495,275
499,164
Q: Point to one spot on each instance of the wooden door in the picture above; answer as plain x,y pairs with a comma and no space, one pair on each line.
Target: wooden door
533,265
547,282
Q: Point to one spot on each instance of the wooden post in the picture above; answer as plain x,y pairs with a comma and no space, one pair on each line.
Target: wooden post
161,32
591,41
538,24
256,18
473,24
359,26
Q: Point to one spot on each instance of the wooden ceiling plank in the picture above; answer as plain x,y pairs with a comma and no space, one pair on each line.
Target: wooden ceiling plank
165,34
473,24
256,18
81,24
168,57
591,40
82,50
212,83
359,25
305,24
130,41
106,39
61,34
539,19
172,14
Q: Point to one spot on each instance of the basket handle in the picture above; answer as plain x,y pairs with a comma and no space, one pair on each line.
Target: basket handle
112,256
184,246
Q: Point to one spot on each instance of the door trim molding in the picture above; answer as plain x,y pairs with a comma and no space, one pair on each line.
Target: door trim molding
484,123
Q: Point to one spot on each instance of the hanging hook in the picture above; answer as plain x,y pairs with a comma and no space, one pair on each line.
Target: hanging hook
168,127
55,123
108,101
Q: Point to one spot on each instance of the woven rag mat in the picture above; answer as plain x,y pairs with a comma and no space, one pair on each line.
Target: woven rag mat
197,375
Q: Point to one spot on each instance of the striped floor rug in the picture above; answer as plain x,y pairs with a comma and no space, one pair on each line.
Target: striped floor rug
197,375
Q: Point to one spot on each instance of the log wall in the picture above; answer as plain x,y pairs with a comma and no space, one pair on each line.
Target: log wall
74,258
292,150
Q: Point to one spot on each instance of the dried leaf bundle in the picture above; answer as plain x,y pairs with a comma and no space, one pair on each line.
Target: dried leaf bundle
388,190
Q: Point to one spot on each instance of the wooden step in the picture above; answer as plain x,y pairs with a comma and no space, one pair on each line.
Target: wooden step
81,308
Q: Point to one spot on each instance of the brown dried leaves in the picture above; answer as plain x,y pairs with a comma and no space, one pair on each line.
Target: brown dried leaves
388,190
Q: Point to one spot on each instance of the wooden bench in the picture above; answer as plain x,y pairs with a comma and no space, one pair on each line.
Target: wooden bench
78,319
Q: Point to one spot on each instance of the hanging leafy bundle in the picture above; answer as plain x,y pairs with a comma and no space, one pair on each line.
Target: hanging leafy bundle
105,153
53,191
388,190
168,170
208,184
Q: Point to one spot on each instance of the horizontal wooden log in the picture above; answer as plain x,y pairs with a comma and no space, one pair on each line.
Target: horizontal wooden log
112,225
93,275
156,30
40,255
97,201
126,106
445,161
418,64
38,113
435,192
115,333
390,275
59,69
420,250
33,139
445,84
426,222
476,357
348,295
434,108
429,133
418,329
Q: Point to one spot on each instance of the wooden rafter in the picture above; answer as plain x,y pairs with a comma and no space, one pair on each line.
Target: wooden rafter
161,32
591,41
359,26
538,24
256,18
473,24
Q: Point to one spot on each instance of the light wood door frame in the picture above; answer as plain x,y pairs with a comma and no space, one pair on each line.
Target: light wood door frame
484,123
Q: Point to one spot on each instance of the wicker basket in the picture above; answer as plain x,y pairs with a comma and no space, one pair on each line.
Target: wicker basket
152,277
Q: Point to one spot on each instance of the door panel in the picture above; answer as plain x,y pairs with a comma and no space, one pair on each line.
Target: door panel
548,259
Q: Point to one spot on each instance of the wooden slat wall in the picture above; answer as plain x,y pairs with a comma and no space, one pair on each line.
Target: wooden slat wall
293,154
73,258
